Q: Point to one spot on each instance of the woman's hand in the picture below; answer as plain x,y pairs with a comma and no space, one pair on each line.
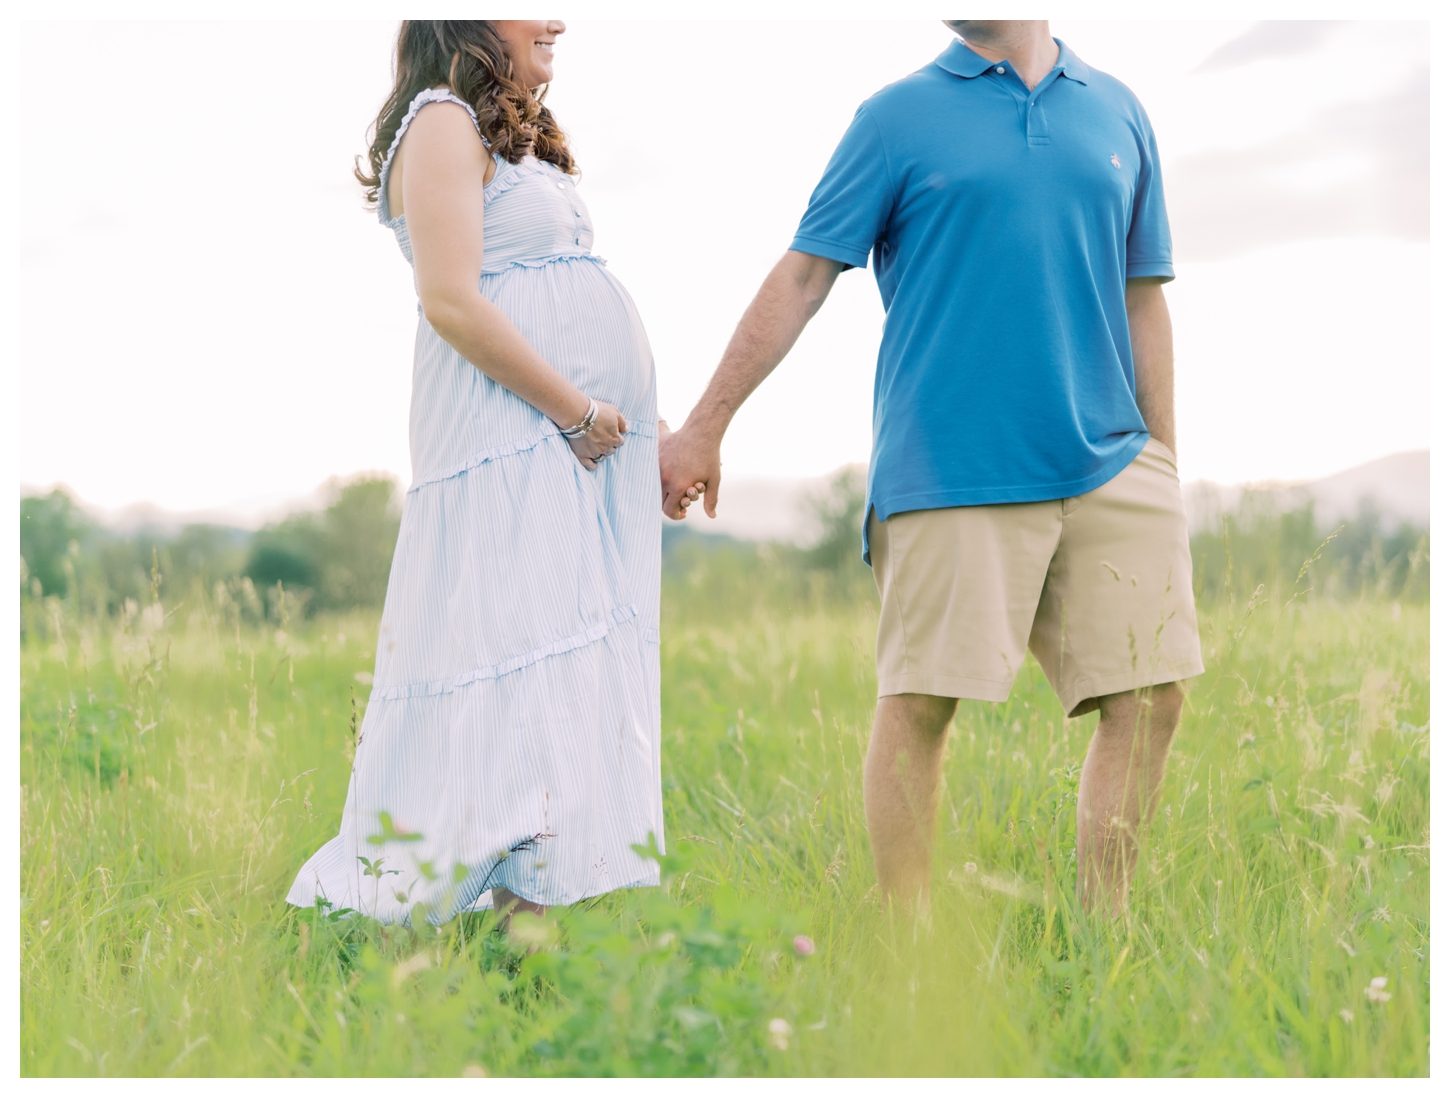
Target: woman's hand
689,495
605,437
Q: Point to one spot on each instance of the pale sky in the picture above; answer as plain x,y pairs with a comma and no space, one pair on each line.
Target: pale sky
209,318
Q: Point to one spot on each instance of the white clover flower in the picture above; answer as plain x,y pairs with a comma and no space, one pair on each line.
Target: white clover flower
1376,992
780,1032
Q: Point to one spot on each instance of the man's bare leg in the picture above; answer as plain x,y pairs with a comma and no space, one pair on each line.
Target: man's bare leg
902,783
1122,777
506,905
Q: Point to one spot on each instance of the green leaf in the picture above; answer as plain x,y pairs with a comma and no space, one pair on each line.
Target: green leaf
390,834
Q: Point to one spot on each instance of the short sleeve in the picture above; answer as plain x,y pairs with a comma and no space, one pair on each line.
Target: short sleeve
1150,245
851,205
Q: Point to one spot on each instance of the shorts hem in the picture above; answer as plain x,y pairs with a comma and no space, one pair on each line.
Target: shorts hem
1161,673
944,686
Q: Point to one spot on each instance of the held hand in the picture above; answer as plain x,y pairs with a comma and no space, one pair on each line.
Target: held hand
695,491
689,469
603,438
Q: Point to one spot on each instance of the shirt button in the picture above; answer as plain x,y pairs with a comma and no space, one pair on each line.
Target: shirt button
999,69
561,186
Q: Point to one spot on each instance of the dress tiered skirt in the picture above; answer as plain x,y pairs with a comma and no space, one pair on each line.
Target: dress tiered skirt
512,735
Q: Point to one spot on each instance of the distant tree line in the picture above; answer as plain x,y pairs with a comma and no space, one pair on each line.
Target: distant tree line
1365,556
334,559
338,558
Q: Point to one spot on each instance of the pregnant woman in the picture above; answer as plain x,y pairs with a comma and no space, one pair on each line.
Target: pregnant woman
509,755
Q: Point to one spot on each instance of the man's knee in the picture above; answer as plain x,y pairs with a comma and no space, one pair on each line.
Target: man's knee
925,715
1158,706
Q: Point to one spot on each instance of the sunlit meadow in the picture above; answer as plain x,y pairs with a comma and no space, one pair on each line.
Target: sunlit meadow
180,761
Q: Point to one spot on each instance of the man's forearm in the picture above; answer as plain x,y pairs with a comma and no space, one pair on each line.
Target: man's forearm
1151,332
788,298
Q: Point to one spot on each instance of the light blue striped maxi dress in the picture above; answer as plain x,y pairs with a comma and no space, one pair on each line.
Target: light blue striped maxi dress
512,734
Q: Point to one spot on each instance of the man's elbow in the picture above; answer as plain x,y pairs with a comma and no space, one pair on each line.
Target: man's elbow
812,277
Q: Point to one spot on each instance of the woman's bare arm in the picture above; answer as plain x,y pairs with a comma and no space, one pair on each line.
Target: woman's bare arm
442,195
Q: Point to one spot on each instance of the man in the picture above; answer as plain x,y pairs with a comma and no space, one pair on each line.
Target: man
1023,490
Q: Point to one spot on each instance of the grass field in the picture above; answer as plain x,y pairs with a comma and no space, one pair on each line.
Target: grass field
177,770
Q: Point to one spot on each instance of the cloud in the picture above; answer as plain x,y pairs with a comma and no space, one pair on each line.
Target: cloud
1271,38
1353,169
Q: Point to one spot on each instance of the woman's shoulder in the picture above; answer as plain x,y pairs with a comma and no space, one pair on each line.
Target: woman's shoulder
445,120
442,129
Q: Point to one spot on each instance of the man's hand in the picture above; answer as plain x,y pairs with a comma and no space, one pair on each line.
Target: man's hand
689,468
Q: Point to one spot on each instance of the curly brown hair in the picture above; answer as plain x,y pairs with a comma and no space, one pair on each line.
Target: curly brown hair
466,56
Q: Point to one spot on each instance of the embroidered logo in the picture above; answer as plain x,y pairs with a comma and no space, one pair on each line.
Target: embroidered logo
1114,161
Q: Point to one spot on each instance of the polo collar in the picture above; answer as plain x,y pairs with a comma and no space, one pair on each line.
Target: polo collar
1073,67
961,60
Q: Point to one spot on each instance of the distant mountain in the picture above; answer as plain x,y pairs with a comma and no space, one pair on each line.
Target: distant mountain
1397,487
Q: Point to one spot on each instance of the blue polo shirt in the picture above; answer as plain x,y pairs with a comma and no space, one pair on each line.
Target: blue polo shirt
1003,225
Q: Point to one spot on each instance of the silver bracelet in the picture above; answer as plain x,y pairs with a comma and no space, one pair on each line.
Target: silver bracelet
585,425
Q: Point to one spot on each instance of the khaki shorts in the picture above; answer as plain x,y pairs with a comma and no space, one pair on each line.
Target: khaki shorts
1098,586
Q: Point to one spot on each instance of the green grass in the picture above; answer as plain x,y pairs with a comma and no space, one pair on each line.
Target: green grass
176,774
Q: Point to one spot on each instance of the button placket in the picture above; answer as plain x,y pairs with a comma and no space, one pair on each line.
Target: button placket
1035,116
578,219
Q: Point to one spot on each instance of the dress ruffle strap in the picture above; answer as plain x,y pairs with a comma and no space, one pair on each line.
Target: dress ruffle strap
421,100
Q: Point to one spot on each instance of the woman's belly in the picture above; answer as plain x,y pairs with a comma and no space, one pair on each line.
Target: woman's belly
579,317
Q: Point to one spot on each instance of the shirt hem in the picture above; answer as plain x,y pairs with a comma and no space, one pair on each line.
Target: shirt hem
886,506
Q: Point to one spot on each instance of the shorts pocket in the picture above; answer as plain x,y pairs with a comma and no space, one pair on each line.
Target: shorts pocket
1161,449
